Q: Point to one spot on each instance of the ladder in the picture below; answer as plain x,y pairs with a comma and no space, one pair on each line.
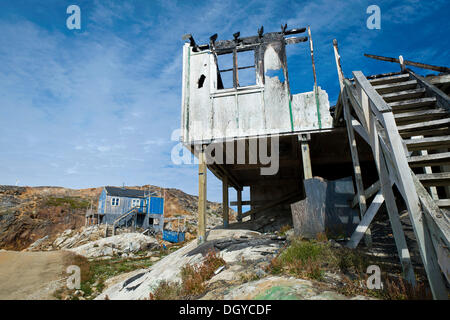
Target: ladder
406,122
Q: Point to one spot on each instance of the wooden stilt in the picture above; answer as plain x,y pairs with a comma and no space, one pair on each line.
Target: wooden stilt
201,196
304,144
225,201
239,205
356,169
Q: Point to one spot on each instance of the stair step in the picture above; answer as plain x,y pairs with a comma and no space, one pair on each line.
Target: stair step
408,105
424,125
443,203
422,115
403,95
391,79
434,179
396,87
428,143
437,159
427,133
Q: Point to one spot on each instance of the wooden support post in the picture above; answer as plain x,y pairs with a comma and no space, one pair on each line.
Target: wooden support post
225,217
304,144
239,205
201,233
402,63
352,141
356,168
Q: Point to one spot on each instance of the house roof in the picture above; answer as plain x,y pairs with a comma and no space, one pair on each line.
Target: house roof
127,193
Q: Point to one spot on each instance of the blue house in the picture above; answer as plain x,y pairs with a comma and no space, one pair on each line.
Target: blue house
130,207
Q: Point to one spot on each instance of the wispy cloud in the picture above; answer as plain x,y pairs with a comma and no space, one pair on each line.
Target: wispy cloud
99,106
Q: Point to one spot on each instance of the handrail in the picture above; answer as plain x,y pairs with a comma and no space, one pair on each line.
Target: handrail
125,215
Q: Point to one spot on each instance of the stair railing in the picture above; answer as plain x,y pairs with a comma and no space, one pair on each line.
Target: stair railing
123,216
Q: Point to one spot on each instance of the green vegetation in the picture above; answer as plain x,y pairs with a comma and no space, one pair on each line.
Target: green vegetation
193,278
72,202
312,258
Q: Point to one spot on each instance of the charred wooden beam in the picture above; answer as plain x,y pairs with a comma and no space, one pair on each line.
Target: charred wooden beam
410,63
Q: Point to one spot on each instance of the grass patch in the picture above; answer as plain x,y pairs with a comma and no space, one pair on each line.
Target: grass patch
193,278
311,259
71,202
302,258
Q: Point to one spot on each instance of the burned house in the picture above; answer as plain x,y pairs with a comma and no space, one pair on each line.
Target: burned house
243,123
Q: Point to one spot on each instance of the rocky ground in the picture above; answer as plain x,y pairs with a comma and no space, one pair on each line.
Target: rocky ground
247,255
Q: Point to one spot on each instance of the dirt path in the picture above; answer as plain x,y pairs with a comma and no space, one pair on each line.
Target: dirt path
31,275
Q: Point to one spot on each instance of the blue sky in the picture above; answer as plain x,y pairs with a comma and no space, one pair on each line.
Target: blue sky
97,106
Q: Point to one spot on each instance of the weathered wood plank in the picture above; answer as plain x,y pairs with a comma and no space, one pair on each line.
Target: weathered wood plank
429,160
395,87
369,192
427,143
402,95
423,115
406,105
434,179
366,220
443,203
424,125
389,79
429,133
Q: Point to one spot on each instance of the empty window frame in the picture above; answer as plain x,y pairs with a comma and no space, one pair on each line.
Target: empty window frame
135,203
236,69
115,201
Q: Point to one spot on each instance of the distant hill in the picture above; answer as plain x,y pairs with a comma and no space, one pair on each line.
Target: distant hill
30,213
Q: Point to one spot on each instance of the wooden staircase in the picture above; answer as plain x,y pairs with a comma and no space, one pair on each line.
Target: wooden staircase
406,122
124,218
424,126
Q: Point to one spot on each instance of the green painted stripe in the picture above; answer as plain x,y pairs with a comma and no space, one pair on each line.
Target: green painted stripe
316,93
290,113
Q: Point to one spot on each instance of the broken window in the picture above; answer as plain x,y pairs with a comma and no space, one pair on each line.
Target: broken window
236,69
